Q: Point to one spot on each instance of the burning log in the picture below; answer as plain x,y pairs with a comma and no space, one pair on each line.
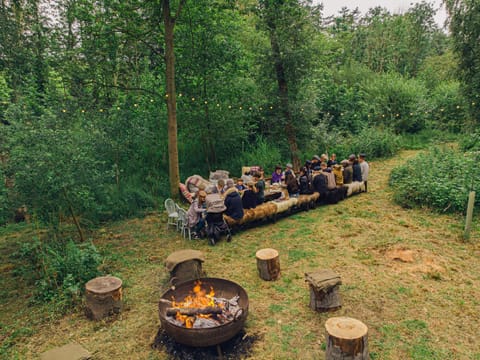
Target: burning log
346,338
209,310
268,264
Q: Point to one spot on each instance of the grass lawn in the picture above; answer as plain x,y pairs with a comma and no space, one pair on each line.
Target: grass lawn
406,274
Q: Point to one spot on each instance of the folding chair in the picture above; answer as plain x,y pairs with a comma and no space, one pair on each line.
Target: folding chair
183,223
172,212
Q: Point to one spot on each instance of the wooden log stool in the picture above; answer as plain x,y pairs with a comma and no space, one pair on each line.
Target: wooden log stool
346,338
103,297
324,290
185,265
268,264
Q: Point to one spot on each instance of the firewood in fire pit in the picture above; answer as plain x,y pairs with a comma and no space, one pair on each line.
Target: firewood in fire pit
194,311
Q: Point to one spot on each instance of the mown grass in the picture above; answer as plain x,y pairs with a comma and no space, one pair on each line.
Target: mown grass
423,309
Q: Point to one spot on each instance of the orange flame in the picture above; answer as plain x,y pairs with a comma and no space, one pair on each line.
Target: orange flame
198,299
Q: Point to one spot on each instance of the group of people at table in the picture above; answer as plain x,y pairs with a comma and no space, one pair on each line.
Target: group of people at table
252,189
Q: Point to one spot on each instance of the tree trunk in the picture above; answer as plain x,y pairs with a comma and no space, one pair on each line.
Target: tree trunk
173,169
103,297
268,264
283,94
347,339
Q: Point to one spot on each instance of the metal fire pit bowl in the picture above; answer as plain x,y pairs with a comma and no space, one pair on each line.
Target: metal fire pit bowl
205,336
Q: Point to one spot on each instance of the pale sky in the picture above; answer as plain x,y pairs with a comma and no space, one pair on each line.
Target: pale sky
331,7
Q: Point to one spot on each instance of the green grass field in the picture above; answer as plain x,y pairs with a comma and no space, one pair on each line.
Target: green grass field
406,273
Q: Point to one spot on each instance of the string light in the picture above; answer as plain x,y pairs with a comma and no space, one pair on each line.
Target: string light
270,107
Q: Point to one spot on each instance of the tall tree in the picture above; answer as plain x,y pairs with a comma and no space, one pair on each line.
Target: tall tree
288,24
465,28
169,23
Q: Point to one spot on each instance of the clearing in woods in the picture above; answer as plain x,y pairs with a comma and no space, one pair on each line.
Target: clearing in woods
406,274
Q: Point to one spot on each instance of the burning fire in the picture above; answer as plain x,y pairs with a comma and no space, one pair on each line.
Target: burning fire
198,299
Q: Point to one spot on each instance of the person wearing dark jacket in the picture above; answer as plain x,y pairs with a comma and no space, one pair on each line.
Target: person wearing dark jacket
320,183
304,185
357,170
347,172
292,184
249,198
233,201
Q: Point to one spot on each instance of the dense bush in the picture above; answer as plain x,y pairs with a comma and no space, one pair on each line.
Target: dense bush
448,107
470,142
59,270
373,141
439,179
397,102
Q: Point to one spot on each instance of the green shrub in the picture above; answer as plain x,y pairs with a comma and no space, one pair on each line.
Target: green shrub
448,108
262,153
397,102
374,142
439,179
59,270
470,141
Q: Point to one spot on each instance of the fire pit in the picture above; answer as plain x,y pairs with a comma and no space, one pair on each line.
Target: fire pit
211,323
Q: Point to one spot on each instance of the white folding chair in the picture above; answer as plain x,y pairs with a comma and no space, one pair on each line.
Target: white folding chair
172,212
183,223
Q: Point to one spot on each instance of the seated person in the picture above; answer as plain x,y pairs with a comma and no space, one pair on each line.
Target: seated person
288,170
357,170
292,184
332,161
260,187
240,186
304,182
249,198
219,188
277,175
320,184
315,163
194,214
347,172
233,201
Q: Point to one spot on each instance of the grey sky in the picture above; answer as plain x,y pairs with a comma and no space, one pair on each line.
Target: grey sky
331,7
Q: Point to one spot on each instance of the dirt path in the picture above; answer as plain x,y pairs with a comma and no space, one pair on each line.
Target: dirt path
405,273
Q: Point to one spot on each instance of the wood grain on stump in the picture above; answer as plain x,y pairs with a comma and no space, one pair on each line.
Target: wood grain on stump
346,339
325,301
268,264
103,297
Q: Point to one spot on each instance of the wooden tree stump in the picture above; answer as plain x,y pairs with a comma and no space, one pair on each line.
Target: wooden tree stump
324,290
268,264
185,265
346,339
104,297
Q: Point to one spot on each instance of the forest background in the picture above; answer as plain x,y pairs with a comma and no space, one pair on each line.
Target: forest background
84,101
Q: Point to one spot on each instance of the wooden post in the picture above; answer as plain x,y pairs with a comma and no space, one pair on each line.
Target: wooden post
346,338
104,297
268,264
468,221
